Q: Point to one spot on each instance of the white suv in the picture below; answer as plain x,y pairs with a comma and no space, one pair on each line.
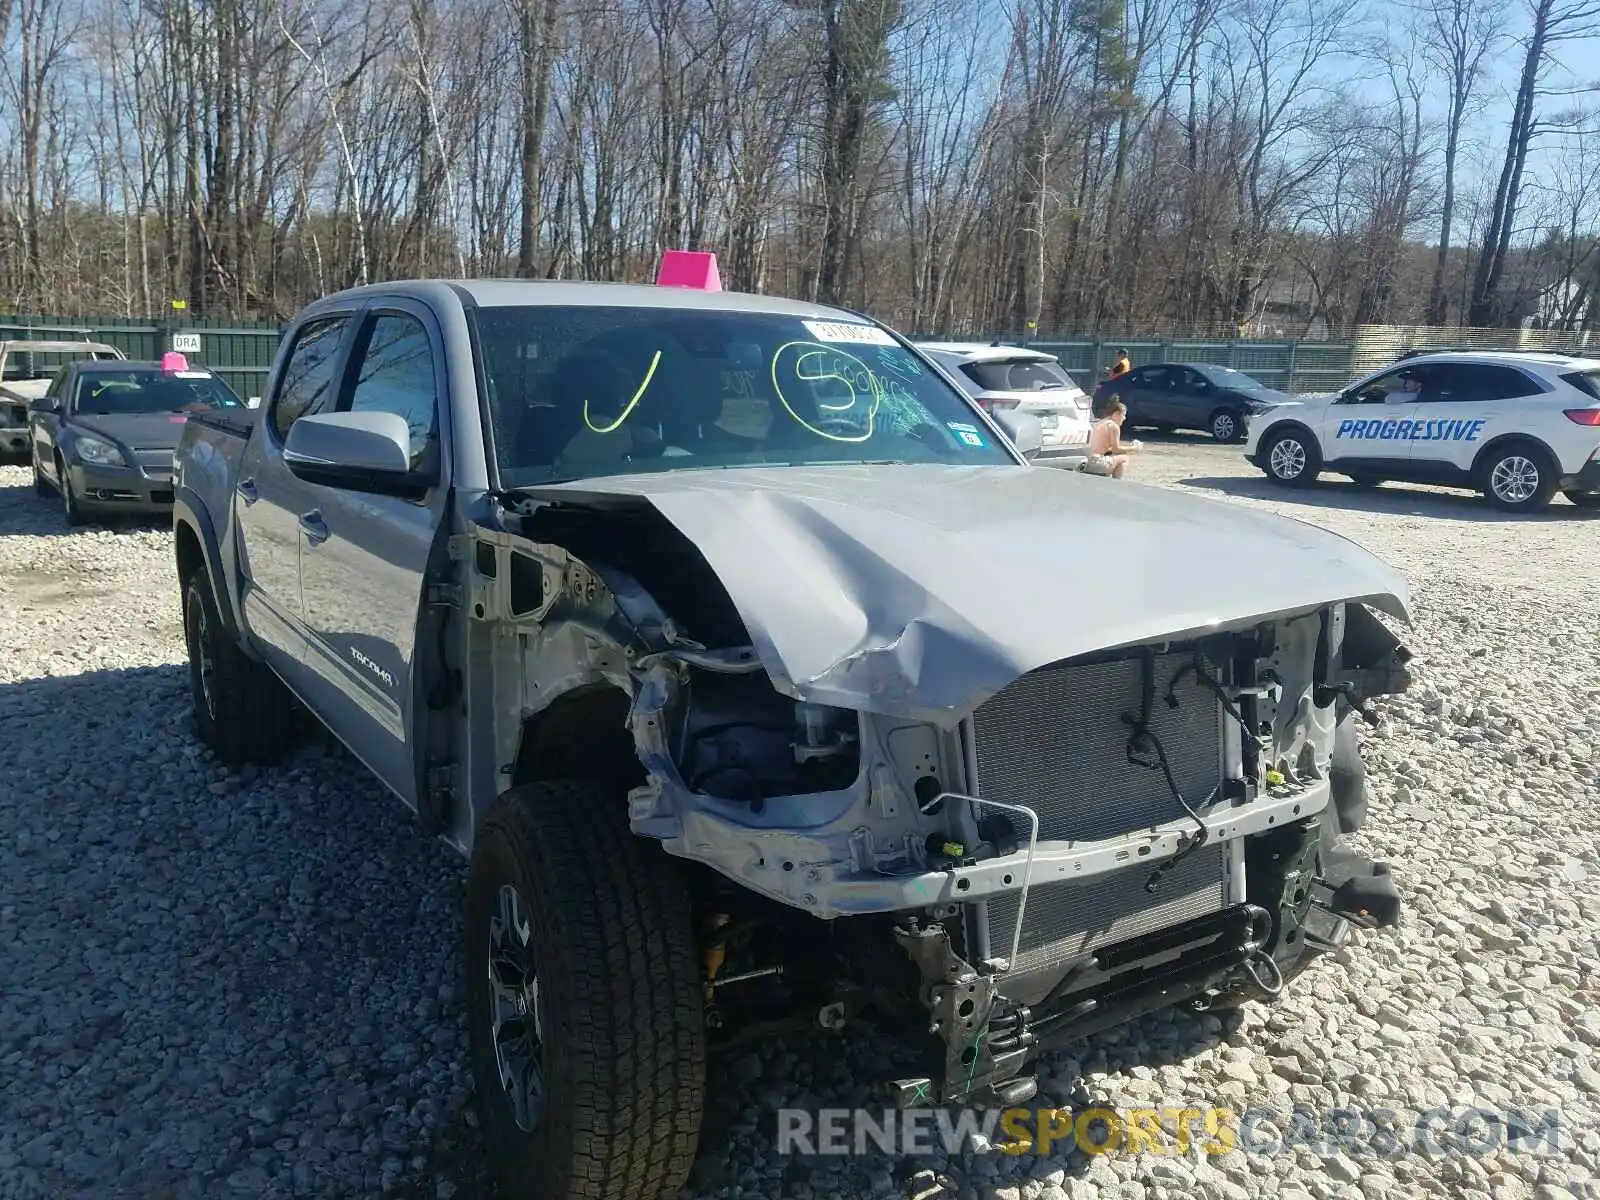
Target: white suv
1030,381
1516,426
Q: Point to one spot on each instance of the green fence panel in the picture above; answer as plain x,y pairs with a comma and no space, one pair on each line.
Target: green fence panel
242,353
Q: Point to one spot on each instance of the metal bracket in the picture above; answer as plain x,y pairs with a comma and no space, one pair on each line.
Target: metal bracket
439,791
445,595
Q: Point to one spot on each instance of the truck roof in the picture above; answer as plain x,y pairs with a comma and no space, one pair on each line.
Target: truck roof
505,293
53,347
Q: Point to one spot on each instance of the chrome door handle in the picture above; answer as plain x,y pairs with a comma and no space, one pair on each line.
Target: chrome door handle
247,491
314,527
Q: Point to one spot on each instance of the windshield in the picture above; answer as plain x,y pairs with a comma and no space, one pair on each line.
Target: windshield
585,391
1228,377
1018,375
109,393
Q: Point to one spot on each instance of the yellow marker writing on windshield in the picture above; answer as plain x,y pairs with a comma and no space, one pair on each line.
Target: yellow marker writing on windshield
655,361
811,350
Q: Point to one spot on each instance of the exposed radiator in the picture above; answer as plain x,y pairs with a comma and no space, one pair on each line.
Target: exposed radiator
1054,741
1064,920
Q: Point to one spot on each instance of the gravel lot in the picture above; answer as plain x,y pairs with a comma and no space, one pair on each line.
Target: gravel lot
218,984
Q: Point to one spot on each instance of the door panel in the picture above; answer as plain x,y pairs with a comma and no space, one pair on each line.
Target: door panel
1463,406
268,498
1373,424
363,556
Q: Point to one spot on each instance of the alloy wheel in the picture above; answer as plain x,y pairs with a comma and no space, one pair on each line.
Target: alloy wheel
515,1026
1515,479
1288,459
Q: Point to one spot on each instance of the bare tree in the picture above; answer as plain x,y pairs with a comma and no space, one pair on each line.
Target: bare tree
1457,37
1553,23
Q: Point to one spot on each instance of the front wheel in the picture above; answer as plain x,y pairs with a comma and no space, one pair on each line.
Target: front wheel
1583,499
1226,425
70,508
1292,458
585,1008
1519,478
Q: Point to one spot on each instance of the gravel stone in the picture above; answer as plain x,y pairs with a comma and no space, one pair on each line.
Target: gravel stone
246,983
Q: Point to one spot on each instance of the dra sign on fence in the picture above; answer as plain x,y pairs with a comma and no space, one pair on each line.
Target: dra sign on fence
186,343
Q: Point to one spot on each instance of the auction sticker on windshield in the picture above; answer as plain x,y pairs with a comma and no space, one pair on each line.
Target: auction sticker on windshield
843,331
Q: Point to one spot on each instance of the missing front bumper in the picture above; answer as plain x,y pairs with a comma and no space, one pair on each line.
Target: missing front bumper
1242,952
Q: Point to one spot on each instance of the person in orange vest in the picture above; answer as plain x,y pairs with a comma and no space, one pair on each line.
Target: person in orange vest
1121,367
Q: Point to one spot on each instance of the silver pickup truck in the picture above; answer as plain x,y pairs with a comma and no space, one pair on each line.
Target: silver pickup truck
764,684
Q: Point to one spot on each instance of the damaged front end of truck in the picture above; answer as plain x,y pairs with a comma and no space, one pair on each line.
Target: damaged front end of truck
988,828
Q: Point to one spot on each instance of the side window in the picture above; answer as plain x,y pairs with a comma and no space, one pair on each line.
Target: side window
56,384
1377,391
1485,382
308,382
967,376
396,376
1193,381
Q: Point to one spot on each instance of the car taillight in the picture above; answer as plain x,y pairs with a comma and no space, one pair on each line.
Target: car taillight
1584,416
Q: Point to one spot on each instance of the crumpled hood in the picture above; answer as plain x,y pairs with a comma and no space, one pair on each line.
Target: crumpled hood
146,431
922,590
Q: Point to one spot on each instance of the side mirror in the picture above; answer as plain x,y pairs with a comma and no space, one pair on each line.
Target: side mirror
1024,430
357,451
45,404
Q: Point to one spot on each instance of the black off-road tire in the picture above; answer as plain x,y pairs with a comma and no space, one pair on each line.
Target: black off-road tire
619,1003
1583,499
1518,477
242,711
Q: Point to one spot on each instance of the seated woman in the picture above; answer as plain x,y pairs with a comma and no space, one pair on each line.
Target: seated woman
1108,453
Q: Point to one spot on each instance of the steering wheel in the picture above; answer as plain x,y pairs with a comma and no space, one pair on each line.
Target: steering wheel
841,427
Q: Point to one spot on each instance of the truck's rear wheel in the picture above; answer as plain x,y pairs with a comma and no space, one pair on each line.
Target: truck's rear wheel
242,711
585,1009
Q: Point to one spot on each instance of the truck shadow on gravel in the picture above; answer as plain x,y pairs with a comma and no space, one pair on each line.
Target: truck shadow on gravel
247,982
1396,499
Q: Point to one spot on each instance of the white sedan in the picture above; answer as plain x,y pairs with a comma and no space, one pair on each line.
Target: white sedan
1030,381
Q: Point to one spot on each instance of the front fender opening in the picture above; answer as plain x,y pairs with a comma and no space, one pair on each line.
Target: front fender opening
582,735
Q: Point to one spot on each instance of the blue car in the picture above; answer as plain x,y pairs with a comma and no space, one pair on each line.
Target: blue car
1167,396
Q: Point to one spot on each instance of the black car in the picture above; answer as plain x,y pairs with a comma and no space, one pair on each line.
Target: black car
104,432
1167,396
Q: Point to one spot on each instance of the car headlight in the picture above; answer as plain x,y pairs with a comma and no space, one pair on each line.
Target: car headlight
96,450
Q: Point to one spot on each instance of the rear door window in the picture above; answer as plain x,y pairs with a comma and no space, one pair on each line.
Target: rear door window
1476,383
